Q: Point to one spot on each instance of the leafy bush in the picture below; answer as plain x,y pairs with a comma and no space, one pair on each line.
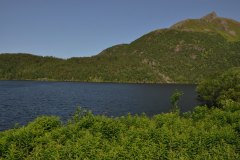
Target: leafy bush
221,88
205,133
175,99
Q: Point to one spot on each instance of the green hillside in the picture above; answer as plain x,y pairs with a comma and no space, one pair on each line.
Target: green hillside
164,56
228,28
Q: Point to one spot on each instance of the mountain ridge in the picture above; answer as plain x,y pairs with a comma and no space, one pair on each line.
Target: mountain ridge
173,55
228,28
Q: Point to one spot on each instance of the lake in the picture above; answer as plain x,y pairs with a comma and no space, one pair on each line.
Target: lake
23,101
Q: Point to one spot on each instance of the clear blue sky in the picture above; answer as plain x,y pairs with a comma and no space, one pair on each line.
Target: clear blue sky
76,28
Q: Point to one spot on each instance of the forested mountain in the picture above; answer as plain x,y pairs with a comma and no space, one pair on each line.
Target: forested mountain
185,53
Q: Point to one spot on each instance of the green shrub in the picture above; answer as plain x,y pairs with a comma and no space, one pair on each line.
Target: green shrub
224,87
205,133
175,100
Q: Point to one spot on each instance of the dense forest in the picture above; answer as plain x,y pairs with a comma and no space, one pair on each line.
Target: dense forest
208,132
187,52
160,56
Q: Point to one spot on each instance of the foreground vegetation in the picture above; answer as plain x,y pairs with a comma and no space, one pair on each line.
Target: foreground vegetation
202,134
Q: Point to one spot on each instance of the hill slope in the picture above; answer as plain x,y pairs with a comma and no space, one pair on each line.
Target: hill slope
228,28
178,54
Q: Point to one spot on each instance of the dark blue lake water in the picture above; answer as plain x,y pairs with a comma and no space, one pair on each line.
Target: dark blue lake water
22,101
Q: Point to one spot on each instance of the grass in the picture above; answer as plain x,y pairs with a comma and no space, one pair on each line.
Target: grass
202,134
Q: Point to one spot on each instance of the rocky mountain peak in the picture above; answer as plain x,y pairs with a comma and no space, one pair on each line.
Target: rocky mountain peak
210,16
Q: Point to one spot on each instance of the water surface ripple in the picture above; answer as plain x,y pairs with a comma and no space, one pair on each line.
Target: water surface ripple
22,101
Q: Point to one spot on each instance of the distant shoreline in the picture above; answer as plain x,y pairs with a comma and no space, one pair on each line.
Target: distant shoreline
109,82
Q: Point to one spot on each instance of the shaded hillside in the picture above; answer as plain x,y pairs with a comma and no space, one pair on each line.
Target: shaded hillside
162,56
